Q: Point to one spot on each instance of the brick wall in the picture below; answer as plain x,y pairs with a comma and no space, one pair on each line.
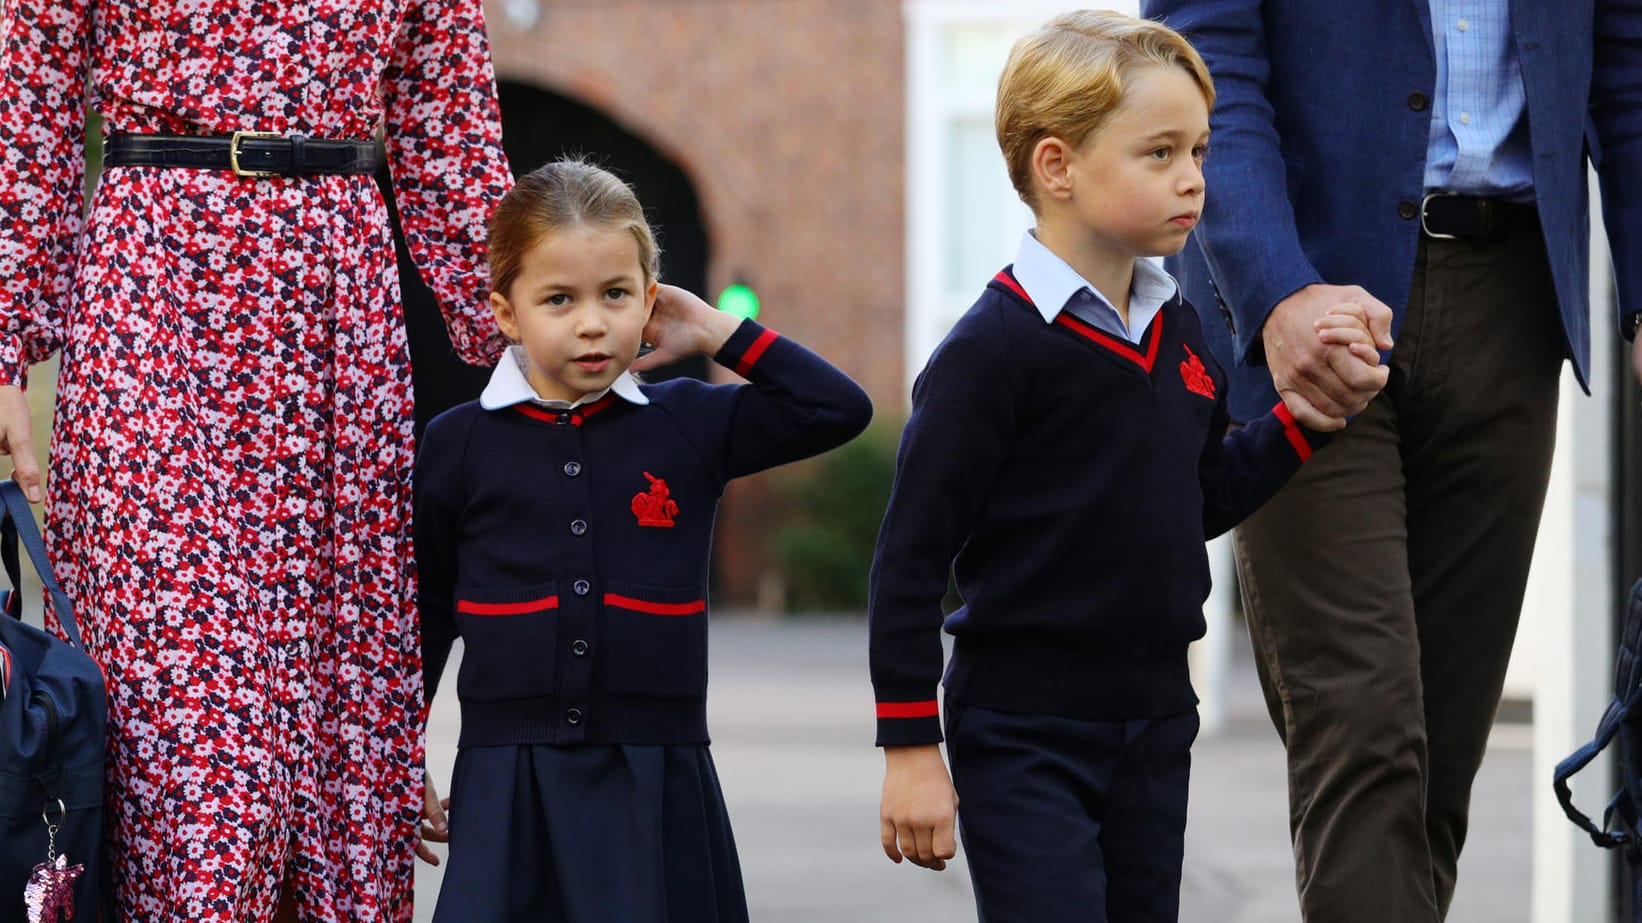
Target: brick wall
788,116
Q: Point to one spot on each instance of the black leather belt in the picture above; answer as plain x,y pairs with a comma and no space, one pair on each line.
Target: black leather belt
1446,216
245,153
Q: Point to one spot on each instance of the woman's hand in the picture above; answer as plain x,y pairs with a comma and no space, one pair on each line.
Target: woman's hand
435,826
17,440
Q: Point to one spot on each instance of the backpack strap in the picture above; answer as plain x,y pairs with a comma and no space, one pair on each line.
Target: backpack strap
19,521
1565,770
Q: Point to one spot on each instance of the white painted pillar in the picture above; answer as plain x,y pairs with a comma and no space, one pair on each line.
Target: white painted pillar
1210,656
1567,627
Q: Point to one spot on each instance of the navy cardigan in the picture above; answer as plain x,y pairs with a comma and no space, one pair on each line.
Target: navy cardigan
569,550
1074,478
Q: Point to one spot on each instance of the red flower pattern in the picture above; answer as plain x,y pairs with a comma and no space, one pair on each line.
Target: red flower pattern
230,486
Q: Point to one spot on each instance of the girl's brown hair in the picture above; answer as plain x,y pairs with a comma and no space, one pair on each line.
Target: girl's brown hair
562,195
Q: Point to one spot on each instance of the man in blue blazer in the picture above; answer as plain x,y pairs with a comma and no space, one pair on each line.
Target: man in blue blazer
1429,155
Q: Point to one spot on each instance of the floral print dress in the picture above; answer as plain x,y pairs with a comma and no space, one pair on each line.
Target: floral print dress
230,469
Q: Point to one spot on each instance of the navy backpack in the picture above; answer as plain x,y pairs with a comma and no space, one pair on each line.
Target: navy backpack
53,716
1623,721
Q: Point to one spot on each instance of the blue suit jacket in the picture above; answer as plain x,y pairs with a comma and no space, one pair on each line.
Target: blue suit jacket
1318,141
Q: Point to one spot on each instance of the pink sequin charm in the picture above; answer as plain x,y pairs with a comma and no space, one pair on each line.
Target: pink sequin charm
49,894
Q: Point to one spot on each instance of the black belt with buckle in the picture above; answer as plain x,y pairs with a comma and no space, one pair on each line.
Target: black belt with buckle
1447,216
245,153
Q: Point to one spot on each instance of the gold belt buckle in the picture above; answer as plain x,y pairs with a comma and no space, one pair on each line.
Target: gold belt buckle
233,153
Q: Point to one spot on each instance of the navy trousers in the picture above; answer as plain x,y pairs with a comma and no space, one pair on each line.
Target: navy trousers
1070,820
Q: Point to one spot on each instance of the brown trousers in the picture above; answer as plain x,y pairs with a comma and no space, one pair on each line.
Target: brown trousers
1382,585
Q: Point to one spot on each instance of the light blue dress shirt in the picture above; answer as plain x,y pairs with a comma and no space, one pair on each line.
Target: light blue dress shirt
1479,127
1054,286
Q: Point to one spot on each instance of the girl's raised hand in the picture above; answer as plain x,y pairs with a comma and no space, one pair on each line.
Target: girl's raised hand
682,325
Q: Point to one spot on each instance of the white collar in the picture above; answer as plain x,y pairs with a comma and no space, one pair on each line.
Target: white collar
1051,283
508,386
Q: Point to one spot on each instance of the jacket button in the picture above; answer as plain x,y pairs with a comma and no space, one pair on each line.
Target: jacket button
578,527
1418,101
563,419
583,588
573,716
571,469
1409,209
578,647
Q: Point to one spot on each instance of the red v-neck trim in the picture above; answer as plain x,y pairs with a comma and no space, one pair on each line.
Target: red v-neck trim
1128,351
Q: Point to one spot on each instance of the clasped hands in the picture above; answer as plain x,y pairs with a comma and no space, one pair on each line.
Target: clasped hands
1323,350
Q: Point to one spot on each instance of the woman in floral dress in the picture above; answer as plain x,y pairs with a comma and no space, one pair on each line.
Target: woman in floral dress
231,459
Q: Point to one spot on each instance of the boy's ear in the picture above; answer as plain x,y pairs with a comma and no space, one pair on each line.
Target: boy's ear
1051,167
504,315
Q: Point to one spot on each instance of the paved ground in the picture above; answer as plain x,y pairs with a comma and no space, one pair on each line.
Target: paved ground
790,713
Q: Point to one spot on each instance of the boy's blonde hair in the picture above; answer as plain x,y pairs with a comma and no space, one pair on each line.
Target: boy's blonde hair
562,195
1066,79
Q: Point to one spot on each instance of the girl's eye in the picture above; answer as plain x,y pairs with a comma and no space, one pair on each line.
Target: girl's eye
615,294
1160,153
1201,151
558,299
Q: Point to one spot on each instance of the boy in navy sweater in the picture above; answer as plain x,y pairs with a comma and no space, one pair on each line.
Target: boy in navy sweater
1067,457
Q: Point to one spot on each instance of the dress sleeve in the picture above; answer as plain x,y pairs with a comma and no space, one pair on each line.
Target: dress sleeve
42,172
444,139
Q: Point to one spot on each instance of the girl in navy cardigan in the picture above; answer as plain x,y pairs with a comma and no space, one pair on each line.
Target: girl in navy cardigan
563,524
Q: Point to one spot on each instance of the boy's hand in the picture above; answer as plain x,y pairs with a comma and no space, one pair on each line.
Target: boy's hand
435,826
682,325
1347,325
919,807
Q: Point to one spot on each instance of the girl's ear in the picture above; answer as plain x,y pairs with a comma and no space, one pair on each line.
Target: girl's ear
1051,167
505,318
650,297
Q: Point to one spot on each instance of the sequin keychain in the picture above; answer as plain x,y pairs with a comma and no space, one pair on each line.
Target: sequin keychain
49,894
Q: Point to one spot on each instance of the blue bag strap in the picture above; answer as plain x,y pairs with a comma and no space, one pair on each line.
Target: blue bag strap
20,517
1565,770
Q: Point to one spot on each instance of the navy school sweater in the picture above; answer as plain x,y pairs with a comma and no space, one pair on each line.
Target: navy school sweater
569,550
1068,480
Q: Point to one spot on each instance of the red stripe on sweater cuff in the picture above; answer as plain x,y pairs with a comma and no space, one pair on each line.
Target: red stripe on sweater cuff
1291,429
927,709
751,356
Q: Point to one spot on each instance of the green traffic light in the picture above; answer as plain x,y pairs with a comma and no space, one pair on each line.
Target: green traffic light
739,300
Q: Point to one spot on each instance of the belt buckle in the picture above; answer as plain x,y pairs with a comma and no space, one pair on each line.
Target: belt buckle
1426,228
233,154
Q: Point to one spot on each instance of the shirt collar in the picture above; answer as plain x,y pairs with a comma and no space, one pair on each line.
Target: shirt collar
1051,283
508,386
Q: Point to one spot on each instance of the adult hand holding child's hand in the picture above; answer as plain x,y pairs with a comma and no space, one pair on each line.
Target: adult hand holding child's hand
1321,384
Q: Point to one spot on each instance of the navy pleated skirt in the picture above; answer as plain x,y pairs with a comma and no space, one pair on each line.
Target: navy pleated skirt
589,834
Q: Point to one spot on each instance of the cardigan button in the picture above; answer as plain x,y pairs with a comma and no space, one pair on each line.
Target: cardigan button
573,716
578,647
578,527
582,588
571,469
564,418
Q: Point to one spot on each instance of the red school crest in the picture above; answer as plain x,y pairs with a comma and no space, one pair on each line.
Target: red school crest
1195,375
655,507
